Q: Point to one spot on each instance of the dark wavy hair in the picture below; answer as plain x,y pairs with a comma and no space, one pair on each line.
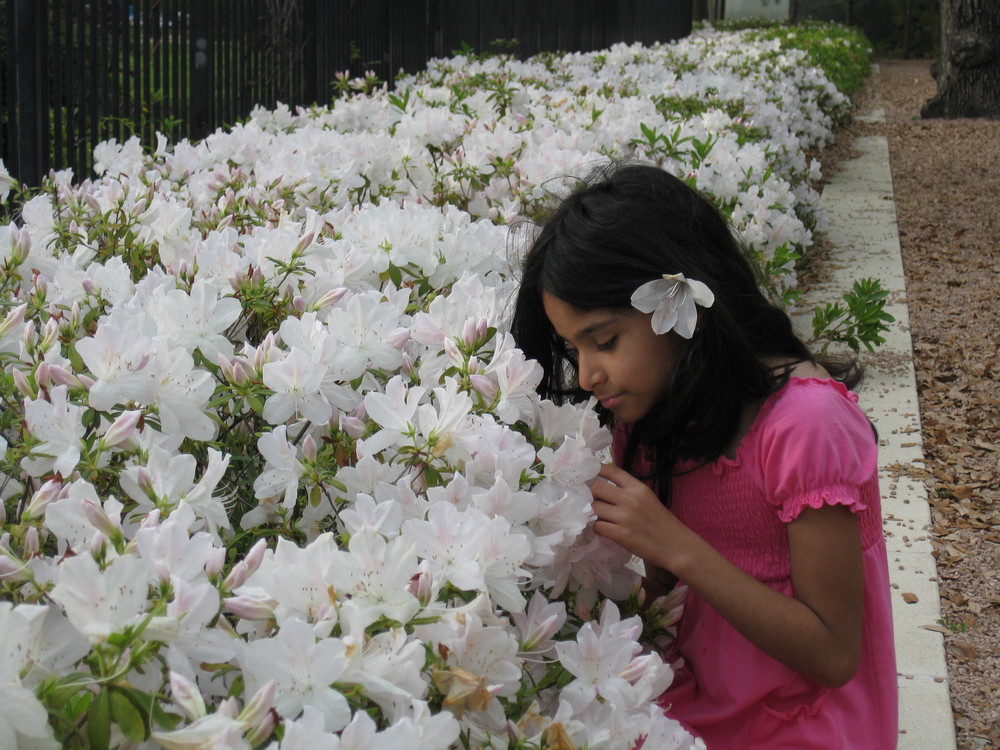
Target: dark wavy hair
628,224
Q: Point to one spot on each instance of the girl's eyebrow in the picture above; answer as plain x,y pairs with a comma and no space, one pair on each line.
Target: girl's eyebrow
593,328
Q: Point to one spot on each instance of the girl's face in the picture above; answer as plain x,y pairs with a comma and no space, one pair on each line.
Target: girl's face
619,358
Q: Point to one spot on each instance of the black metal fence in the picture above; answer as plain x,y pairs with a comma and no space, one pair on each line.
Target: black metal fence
77,72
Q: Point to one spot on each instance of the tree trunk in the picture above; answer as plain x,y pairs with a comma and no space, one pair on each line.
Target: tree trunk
793,11
968,73
849,15
699,10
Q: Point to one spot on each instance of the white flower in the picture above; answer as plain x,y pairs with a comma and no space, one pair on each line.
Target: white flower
304,670
283,468
673,300
57,423
100,603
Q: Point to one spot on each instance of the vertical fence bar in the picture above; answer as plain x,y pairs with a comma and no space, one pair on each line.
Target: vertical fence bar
201,69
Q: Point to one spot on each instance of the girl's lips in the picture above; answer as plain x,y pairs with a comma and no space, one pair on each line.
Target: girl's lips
609,402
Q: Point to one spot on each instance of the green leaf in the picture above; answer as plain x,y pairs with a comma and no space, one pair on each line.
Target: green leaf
125,714
99,721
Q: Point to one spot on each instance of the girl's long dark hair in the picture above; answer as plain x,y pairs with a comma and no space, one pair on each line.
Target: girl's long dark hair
629,224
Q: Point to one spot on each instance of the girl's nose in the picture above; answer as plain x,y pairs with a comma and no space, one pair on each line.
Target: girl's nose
589,373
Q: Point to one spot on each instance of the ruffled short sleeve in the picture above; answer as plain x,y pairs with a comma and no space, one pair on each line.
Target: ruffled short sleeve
817,448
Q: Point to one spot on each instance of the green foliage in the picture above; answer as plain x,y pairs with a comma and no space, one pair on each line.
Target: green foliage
860,321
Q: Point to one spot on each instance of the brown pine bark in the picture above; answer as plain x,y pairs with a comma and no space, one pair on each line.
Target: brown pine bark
968,72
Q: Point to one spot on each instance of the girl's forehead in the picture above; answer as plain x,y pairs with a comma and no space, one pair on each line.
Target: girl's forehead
571,322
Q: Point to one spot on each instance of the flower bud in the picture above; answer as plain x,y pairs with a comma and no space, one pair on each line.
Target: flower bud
484,386
89,286
330,298
215,562
309,450
226,365
257,709
454,354
31,544
14,318
470,335
100,520
187,696
30,335
62,376
398,338
98,546
248,609
22,384
298,303
122,428
246,567
47,493
352,426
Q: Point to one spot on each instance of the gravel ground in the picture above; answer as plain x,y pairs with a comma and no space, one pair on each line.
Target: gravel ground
946,178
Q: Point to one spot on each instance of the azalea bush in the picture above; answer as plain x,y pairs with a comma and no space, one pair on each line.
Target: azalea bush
274,473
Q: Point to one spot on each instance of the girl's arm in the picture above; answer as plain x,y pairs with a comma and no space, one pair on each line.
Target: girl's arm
817,633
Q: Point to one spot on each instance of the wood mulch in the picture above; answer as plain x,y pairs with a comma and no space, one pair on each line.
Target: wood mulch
946,179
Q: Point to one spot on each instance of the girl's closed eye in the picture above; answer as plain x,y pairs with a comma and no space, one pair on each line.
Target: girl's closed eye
607,345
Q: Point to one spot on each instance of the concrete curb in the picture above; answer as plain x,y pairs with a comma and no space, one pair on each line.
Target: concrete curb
863,234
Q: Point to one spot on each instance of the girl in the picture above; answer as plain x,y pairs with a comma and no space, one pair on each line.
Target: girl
743,467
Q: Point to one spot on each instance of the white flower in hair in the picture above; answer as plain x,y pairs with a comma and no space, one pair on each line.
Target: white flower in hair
673,300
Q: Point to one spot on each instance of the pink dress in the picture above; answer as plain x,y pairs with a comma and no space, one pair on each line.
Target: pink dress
810,445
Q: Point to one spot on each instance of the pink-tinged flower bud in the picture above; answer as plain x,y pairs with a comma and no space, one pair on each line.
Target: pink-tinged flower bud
248,609
31,544
298,303
263,729
13,570
151,520
451,349
422,584
122,428
98,546
309,450
638,667
330,298
22,384
46,494
398,338
226,365
229,708
484,386
235,282
50,334
215,562
258,707
20,245
256,275
183,269
30,335
14,318
139,208
43,375
144,478
89,286
352,426
187,696
246,567
162,571
240,376
470,334
305,241
61,376
86,381
100,520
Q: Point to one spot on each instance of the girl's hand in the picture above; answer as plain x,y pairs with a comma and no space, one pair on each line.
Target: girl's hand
630,513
